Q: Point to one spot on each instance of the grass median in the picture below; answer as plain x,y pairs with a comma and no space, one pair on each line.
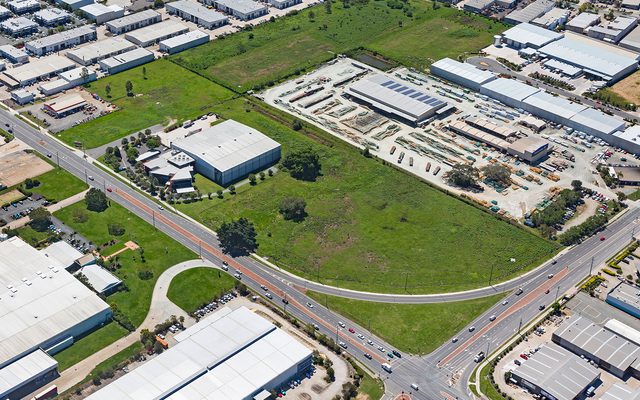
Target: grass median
412,328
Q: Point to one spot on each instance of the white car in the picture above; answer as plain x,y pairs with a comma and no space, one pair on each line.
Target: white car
370,342
269,296
309,305
504,303
455,339
492,318
472,328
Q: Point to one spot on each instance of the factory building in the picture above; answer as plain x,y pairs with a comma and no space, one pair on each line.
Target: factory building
241,9
581,22
182,42
62,40
398,99
43,309
67,80
133,21
13,54
197,13
594,58
611,351
23,6
126,60
478,6
555,373
552,19
621,391
94,52
22,96
461,73
151,35
99,13
4,13
625,297
51,17
530,12
229,151
632,40
64,105
527,35
18,26
614,30
282,4
32,72
229,355
73,4
630,4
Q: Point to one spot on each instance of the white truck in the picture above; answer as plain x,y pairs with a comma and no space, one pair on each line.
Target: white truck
386,367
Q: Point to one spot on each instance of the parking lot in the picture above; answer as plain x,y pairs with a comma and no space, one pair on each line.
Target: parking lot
429,151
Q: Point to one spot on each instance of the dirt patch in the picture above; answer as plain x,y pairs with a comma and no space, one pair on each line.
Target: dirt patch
18,166
629,88
9,197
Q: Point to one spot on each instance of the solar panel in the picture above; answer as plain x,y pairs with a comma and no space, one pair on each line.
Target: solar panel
387,83
408,92
395,85
423,97
413,96
400,89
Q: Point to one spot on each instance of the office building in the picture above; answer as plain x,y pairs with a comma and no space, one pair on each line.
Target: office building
23,6
613,31
51,17
18,26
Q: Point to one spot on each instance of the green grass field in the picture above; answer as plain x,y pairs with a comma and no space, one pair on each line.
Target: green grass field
191,288
58,184
370,226
288,45
371,387
415,329
160,251
33,237
170,93
205,185
89,344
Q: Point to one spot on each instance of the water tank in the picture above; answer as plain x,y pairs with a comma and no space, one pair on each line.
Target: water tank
497,40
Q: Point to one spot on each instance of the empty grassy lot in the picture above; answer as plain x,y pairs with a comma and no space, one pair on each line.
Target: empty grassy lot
58,184
288,45
191,288
160,253
370,226
412,328
89,344
170,93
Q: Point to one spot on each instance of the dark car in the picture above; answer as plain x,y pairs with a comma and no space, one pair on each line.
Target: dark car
397,353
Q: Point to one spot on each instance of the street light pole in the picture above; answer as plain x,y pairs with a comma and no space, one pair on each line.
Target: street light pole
591,267
153,216
557,292
406,278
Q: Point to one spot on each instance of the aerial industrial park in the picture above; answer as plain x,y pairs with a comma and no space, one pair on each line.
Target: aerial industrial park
263,199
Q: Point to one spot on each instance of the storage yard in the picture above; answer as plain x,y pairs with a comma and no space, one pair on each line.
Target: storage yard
425,125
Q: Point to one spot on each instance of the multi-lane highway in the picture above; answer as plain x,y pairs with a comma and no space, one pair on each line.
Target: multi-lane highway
434,372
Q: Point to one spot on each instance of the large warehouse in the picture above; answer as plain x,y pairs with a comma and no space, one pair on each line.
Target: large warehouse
555,373
197,13
231,355
528,35
151,35
43,308
229,151
94,52
461,73
613,352
399,99
625,297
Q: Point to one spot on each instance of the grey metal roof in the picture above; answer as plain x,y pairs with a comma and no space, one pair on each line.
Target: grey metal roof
632,40
511,88
226,145
592,57
530,12
584,20
38,299
554,104
62,252
197,10
132,19
599,342
621,391
62,37
400,98
17,23
154,32
99,278
126,57
228,355
28,367
531,35
557,372
464,70
597,120
184,38
102,48
242,6
51,14
626,294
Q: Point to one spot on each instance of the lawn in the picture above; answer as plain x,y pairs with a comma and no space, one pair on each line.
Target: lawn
191,288
205,185
58,184
273,51
160,253
412,328
486,386
89,344
635,195
33,237
170,93
370,226
371,387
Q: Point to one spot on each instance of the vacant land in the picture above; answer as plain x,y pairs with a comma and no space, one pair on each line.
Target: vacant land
17,166
159,251
192,288
628,89
370,226
270,52
89,344
412,328
58,184
169,93
371,387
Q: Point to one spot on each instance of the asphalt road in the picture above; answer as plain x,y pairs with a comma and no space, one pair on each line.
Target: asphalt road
432,372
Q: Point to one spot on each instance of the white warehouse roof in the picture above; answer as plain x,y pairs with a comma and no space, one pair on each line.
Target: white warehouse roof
511,88
101,49
62,252
464,70
133,18
226,145
24,370
153,32
62,37
621,391
624,330
599,121
229,355
99,278
38,300
584,20
554,104
531,35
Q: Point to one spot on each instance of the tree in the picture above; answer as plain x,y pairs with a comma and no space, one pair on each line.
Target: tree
124,141
303,164
107,90
129,88
497,173
96,200
252,179
297,125
84,74
115,229
147,337
621,196
293,208
576,184
79,215
327,7
132,154
158,3
238,237
153,142
219,193
40,219
463,175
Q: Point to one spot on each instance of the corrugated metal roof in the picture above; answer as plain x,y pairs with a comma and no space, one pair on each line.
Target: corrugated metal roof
62,252
510,88
554,104
184,38
197,10
624,330
626,294
464,70
156,31
62,37
25,369
126,57
531,11
621,391
532,35
226,145
584,20
242,6
132,19
597,120
99,278
557,371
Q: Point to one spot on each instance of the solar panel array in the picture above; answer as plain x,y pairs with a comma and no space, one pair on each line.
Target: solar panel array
412,93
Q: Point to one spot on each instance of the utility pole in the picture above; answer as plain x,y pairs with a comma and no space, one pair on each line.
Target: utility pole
200,248
591,267
519,325
557,292
406,278
337,338
58,159
153,216
86,179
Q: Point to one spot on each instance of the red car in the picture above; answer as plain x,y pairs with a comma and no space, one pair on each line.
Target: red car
352,330
524,356
547,291
602,238
109,190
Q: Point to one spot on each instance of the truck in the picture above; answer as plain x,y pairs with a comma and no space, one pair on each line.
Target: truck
386,367
479,357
